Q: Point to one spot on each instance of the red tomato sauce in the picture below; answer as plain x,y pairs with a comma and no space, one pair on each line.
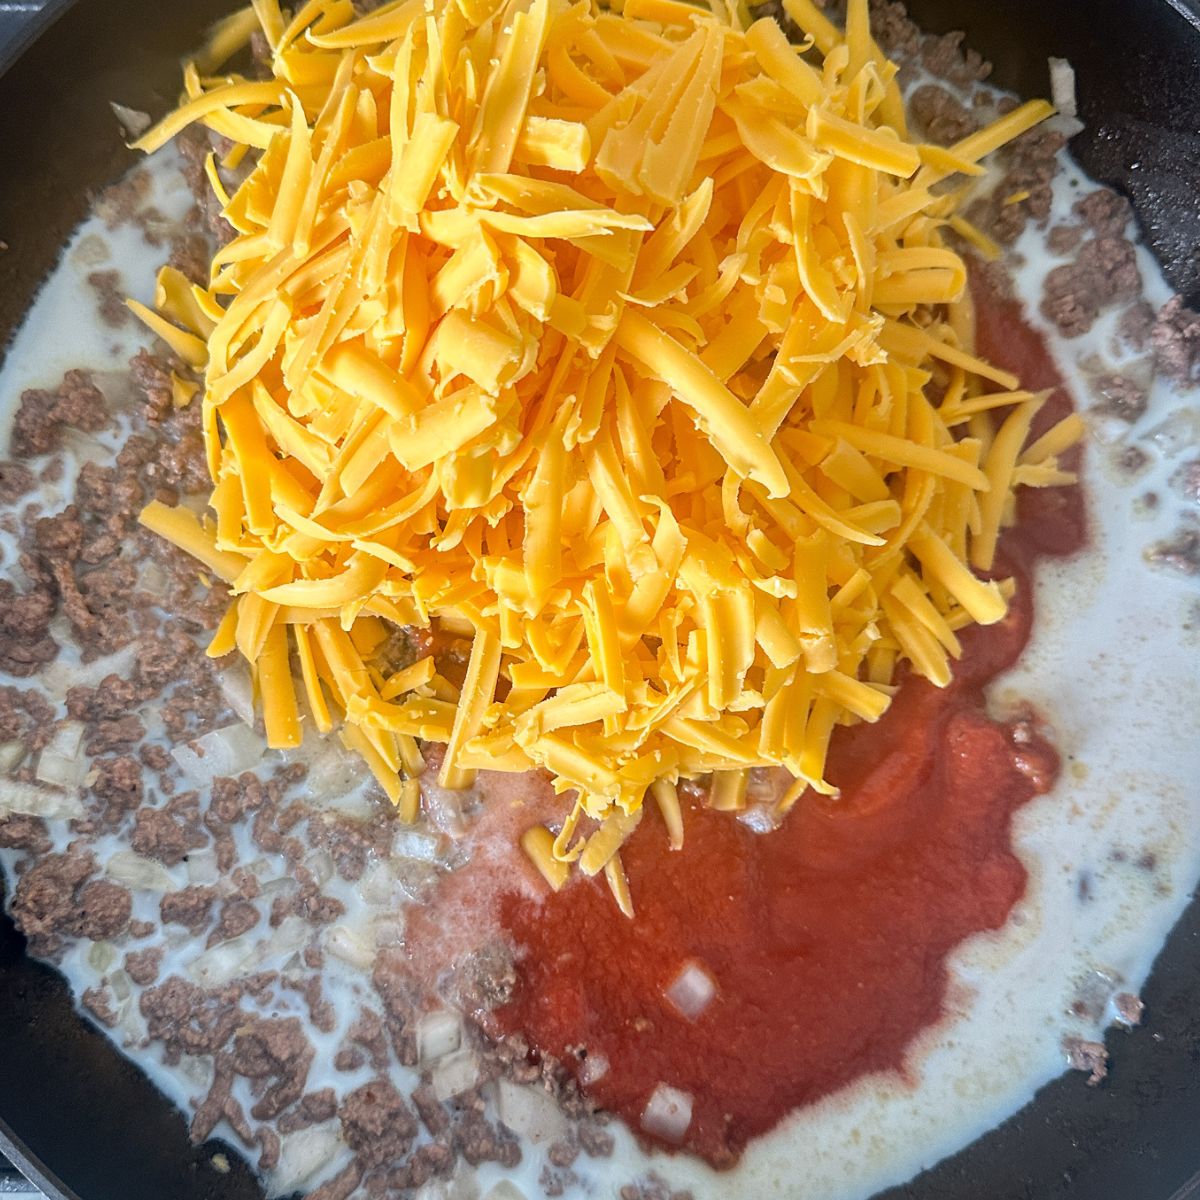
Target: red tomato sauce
828,938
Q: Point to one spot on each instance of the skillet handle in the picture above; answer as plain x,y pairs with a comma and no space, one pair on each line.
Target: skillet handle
12,1183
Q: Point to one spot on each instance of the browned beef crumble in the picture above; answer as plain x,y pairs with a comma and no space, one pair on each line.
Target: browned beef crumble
1180,552
1186,480
1119,396
341,1185
16,481
236,918
98,1001
1175,339
1083,1055
20,832
376,1123
1104,272
56,898
110,298
142,966
1064,239
652,1187
941,115
43,416
312,1109
1129,1008
1136,324
190,907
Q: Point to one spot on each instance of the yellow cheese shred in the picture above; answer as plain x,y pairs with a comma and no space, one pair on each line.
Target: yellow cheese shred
604,343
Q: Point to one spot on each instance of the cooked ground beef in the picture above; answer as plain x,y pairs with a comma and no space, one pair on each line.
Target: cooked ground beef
1104,271
1087,1056
376,1123
1176,342
20,832
941,115
1119,397
190,907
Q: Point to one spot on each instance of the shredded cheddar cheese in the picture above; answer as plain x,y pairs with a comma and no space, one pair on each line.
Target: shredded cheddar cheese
605,339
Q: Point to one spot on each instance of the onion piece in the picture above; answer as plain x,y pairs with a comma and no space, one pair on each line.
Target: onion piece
223,752
133,121
692,990
594,1068
30,800
504,1191
455,1074
302,1155
202,866
445,807
350,946
530,1112
238,690
61,772
668,1113
138,872
1062,87
223,963
438,1034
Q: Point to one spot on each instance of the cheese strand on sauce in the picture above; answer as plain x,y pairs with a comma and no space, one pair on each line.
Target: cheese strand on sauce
606,339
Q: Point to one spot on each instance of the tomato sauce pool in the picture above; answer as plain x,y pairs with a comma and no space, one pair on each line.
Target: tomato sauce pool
827,938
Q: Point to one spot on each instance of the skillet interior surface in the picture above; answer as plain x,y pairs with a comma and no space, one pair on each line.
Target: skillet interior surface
84,1122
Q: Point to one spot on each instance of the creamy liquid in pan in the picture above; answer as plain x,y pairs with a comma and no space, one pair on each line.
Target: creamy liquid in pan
1109,665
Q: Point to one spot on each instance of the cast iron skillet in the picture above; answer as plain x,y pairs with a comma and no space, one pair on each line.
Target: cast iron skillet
85,1124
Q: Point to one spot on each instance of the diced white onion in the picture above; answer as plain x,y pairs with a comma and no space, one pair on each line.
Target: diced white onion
62,772
138,872
350,946
133,121
504,1191
454,1075
67,739
1062,87
378,884
11,753
293,933
101,956
445,807
202,866
152,578
668,1113
121,984
223,963
30,800
389,929
302,1155
320,863
594,1068
336,780
692,990
228,751
438,1034
530,1112
424,847
1179,432
760,818
238,690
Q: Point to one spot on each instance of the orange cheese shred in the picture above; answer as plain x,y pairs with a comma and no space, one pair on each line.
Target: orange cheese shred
601,341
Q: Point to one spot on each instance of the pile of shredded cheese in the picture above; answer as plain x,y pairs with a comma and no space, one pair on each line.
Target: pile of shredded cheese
604,339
